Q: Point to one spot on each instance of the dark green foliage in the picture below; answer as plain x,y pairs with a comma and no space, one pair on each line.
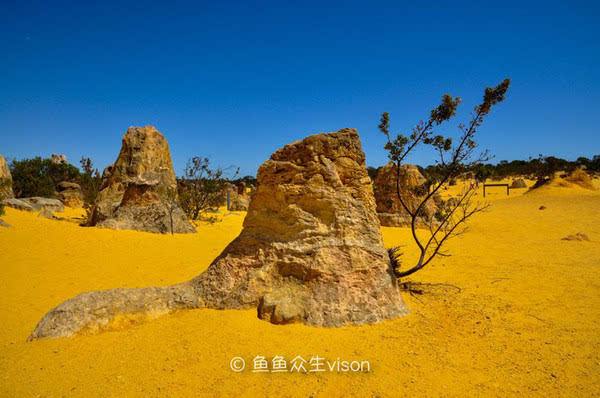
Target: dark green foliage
592,165
481,172
541,168
39,177
372,171
90,181
248,180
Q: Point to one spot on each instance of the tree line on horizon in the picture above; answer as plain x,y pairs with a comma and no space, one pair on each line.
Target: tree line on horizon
39,177
540,168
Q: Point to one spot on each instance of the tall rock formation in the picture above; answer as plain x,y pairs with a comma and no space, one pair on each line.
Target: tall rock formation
139,189
310,252
6,191
389,209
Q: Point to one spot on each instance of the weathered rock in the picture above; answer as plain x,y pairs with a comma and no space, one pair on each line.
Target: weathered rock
404,220
239,203
542,207
241,189
92,311
136,190
517,184
67,186
581,178
310,251
47,213
239,198
38,203
58,159
390,210
18,204
106,173
4,224
6,191
579,236
70,194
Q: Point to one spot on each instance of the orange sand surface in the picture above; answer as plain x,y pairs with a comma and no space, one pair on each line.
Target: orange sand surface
526,321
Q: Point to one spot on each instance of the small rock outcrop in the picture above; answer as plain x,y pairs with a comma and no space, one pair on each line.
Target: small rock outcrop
389,209
579,237
239,198
239,203
58,159
136,189
46,213
517,184
581,178
6,191
70,194
38,203
18,204
310,251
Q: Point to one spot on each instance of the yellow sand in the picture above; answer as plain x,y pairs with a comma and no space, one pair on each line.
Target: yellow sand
526,323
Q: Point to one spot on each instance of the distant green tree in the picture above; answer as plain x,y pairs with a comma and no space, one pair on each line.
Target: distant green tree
248,180
482,172
546,166
594,164
591,165
39,177
372,171
90,181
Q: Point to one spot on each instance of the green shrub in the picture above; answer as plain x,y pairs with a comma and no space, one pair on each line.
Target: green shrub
39,177
89,181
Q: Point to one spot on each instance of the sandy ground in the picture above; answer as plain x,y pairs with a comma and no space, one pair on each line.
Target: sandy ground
525,323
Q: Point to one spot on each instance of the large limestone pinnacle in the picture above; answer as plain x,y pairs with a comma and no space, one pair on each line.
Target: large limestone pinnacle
6,191
310,252
132,195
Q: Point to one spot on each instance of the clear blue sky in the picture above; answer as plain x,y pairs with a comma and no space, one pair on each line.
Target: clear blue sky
237,80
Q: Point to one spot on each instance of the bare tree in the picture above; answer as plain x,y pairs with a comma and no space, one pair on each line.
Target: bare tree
453,159
201,188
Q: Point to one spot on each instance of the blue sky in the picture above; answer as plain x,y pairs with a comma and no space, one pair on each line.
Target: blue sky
237,80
